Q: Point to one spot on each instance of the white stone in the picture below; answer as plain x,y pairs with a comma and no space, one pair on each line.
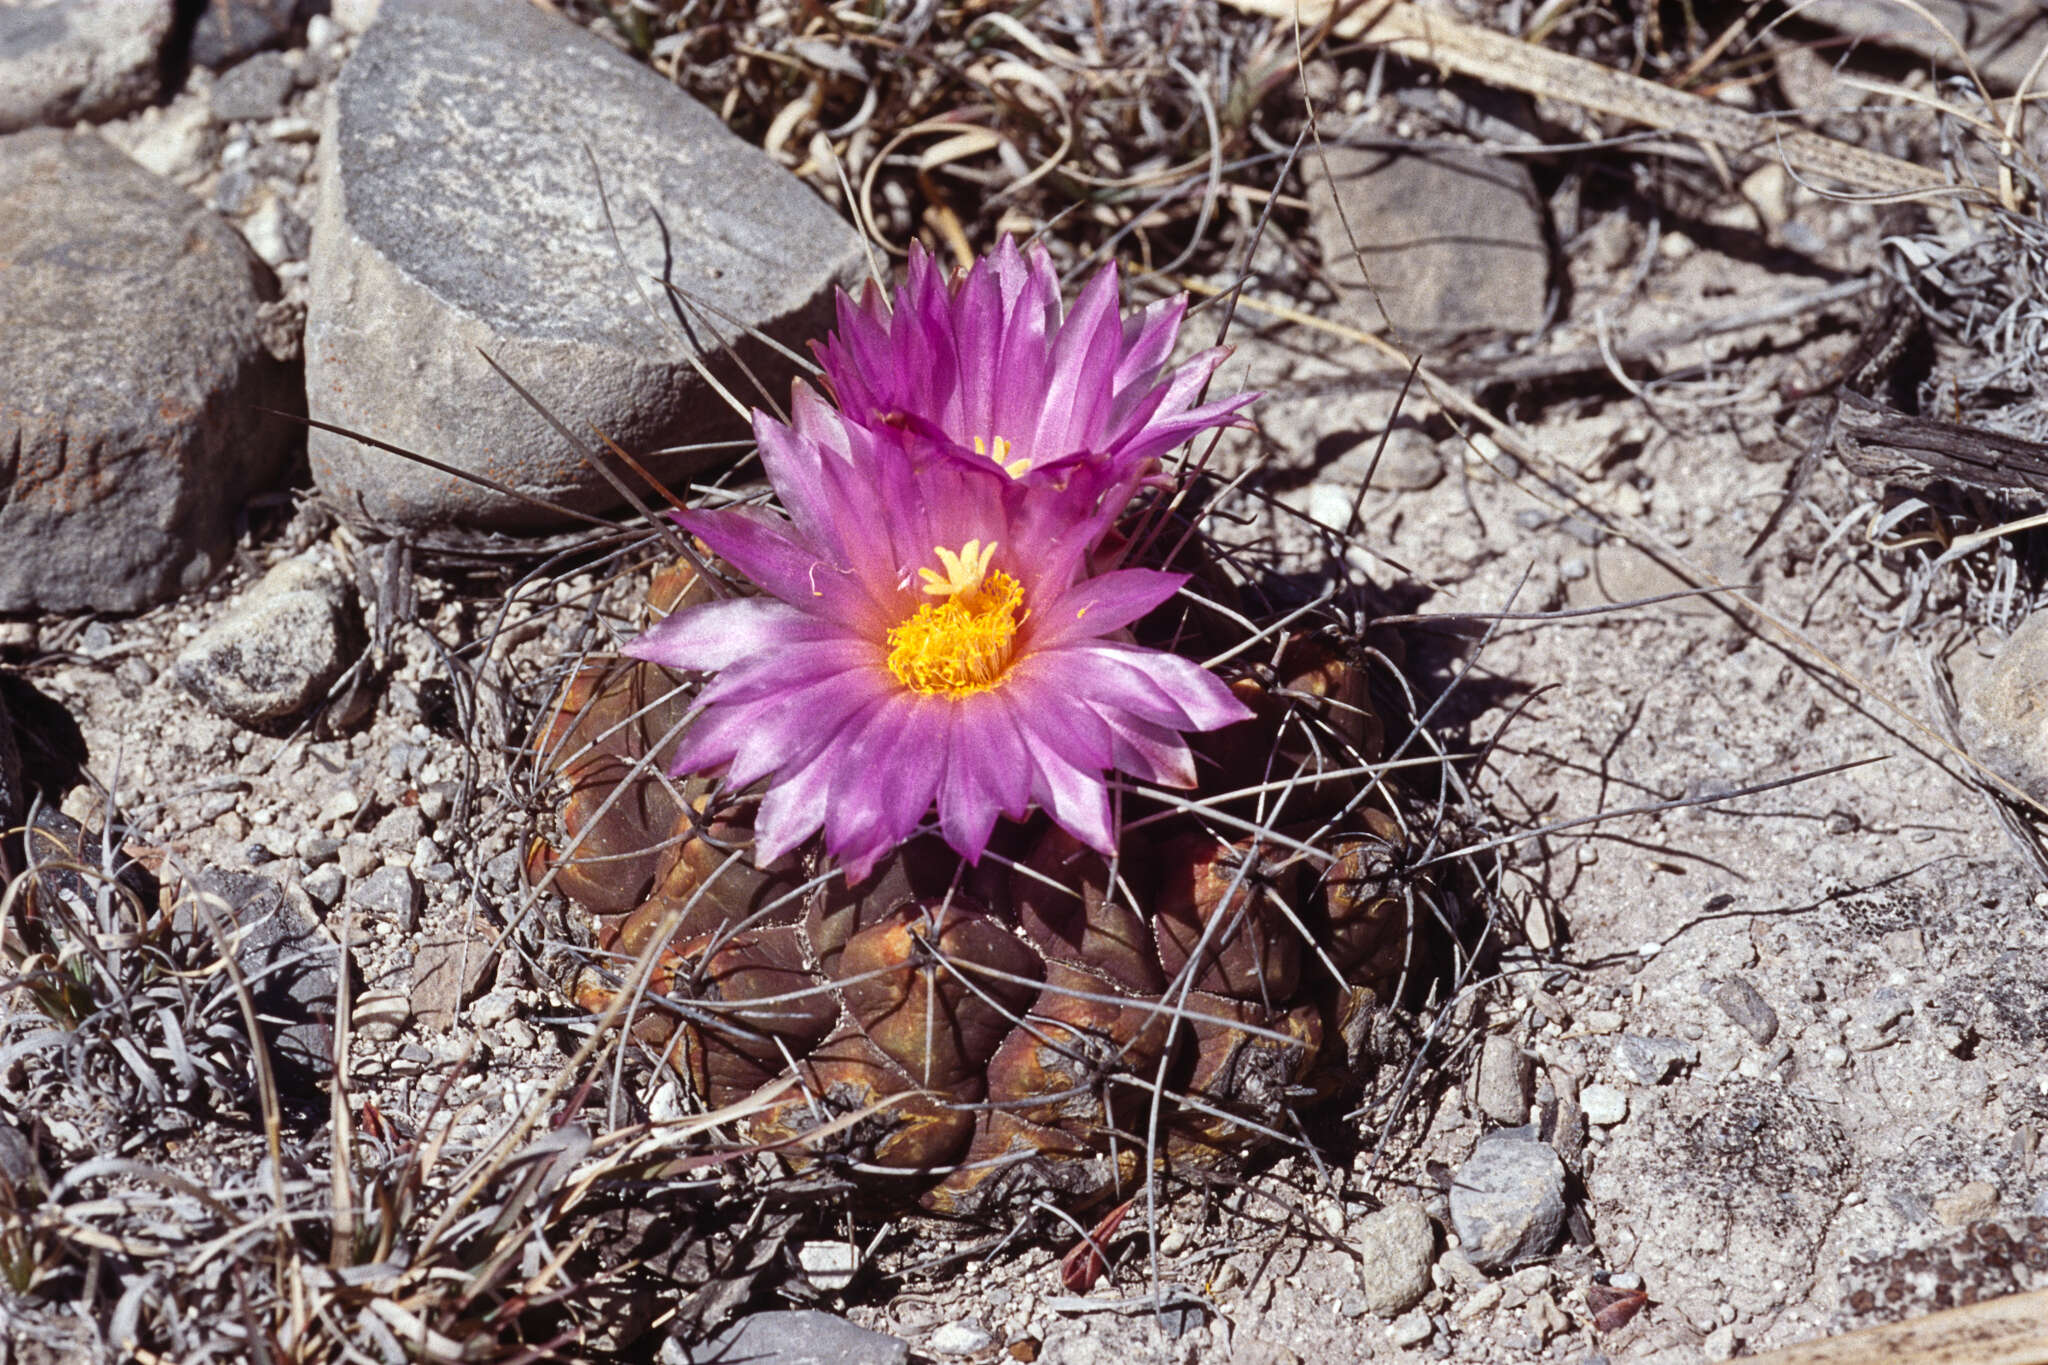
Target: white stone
829,1266
176,146
1410,1329
355,16
962,1338
1603,1105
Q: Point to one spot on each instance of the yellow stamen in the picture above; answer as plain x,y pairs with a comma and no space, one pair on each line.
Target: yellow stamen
960,646
1016,469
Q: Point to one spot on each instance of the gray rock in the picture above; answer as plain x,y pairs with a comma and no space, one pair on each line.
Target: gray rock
1452,242
292,970
390,892
446,227
2005,713
1507,1200
401,830
1649,1061
1506,1080
278,648
254,90
452,969
133,381
2002,37
325,885
802,1337
357,858
229,30
1395,1248
79,59
1408,464
1740,1001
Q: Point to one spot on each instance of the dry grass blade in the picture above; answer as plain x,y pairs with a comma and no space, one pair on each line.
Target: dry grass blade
2007,1331
1420,35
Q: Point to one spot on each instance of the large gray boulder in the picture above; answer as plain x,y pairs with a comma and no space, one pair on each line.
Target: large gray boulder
460,214
132,382
79,59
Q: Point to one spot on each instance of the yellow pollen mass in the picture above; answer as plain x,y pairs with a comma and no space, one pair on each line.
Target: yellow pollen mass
1016,469
962,645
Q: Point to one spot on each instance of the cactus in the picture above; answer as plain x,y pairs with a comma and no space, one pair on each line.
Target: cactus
1034,1025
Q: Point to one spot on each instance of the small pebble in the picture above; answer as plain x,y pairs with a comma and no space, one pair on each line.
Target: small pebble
1410,1329
1506,1080
1395,1248
434,802
392,894
1973,1203
1649,1061
1626,1279
381,1015
1603,1105
325,884
517,1035
339,805
829,1266
495,1007
1741,1002
962,1338
1507,1200
403,829
357,858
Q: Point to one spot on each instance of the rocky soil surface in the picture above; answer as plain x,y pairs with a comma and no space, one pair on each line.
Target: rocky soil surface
1748,1067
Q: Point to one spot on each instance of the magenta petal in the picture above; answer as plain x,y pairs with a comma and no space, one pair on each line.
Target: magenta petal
793,809
797,726
795,662
1107,602
1074,797
759,544
1149,752
968,801
887,776
716,635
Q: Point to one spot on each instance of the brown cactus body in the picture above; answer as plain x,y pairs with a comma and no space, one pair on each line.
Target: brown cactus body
985,1035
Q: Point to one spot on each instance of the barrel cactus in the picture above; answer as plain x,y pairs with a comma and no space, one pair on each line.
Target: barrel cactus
959,824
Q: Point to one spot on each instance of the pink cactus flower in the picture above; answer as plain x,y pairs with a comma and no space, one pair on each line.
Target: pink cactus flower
990,369
926,634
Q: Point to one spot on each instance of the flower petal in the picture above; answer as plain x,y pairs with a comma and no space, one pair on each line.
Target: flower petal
1107,602
716,635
